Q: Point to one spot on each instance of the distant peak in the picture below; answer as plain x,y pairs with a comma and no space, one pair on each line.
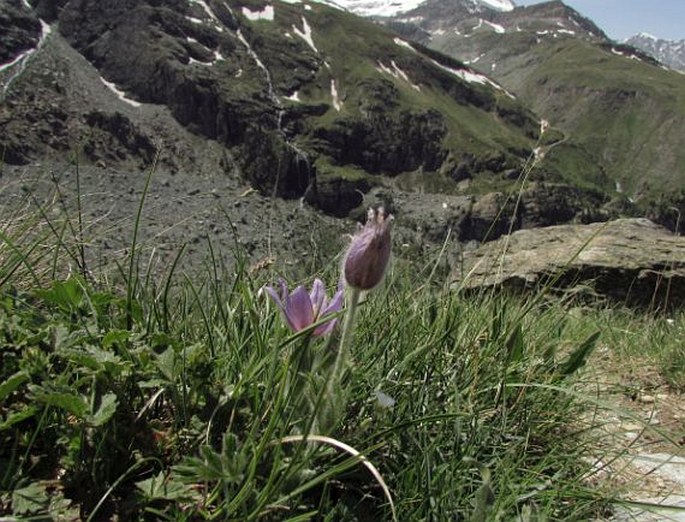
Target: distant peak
499,5
646,35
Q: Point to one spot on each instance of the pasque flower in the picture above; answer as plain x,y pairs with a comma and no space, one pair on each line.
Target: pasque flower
369,251
301,309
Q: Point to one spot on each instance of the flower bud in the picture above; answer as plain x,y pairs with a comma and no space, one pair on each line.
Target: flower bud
369,252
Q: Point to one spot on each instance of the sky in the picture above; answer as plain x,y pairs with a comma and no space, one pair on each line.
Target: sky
620,19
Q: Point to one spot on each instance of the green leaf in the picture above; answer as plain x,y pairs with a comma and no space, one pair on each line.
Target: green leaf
166,362
67,295
74,404
163,488
17,416
12,383
114,337
108,407
30,500
579,357
515,345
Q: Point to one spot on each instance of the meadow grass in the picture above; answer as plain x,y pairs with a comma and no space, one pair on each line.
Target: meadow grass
185,397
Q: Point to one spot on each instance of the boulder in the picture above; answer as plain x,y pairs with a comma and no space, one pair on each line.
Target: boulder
629,260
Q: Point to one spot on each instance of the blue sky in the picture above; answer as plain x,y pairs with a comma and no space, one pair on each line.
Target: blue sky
623,18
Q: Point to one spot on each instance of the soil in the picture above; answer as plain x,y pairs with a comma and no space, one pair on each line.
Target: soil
638,435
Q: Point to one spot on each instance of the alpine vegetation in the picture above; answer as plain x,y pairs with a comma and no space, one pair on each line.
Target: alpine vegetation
184,399
364,266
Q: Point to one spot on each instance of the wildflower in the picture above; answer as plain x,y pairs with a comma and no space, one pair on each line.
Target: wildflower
301,309
369,252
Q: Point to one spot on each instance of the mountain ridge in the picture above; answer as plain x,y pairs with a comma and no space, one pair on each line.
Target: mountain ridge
313,104
668,52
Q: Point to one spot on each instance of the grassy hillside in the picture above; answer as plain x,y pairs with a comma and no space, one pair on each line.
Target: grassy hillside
185,397
621,115
384,86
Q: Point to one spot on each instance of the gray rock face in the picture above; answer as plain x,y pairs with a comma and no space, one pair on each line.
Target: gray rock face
668,52
631,260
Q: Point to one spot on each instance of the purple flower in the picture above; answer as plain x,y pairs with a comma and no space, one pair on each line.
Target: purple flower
301,309
369,252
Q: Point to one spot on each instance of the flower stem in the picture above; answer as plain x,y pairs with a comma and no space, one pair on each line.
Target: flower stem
348,327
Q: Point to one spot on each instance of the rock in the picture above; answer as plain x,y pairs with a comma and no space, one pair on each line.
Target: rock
630,260
491,216
336,195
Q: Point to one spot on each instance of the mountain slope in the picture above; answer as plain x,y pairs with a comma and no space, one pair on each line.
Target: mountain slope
621,114
668,52
303,97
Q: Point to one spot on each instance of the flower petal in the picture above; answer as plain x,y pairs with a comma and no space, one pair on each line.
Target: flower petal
274,296
325,328
298,309
284,288
317,296
335,304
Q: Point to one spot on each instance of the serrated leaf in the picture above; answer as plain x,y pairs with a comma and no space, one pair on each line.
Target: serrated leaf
30,500
160,487
108,407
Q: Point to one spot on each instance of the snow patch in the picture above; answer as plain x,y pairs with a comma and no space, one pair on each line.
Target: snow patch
26,4
16,60
22,59
209,12
306,34
498,28
402,43
265,14
499,5
294,97
398,73
380,7
337,104
566,31
330,3
121,94
475,60
411,19
217,54
631,56
466,75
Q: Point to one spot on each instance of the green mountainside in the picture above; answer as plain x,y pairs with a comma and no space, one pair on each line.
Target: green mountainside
622,114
